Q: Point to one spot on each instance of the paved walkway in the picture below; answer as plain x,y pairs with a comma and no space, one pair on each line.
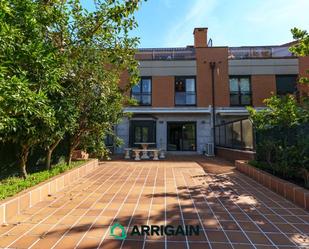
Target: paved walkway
231,210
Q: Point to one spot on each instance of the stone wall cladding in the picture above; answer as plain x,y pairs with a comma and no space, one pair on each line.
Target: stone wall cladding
292,192
203,130
12,206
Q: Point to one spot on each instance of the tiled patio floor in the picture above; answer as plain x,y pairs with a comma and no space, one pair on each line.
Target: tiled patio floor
232,210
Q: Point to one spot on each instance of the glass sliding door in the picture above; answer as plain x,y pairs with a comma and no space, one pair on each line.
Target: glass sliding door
181,136
142,131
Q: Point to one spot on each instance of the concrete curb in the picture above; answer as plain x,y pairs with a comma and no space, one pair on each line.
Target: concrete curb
292,192
29,197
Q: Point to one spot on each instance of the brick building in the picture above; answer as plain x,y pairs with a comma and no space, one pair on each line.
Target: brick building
180,86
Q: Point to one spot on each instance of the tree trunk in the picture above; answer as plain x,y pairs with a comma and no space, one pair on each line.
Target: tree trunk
72,146
50,152
48,158
23,161
69,159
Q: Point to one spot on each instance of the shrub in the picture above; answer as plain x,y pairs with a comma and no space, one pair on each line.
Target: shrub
13,185
282,138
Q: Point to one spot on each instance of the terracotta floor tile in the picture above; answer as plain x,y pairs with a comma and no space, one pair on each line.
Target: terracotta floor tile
229,225
154,245
128,244
237,237
68,241
46,242
248,226
267,227
216,236
89,243
280,239
293,219
209,200
177,245
24,242
6,240
287,228
221,246
258,238
243,246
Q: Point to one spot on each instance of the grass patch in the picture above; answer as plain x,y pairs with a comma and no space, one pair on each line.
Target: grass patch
13,185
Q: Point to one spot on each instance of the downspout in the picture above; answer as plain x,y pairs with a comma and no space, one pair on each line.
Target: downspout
212,65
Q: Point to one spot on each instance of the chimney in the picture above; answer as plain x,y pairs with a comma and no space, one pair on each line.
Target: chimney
200,37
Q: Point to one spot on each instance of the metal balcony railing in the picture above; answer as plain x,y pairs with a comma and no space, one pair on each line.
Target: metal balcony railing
259,52
188,53
166,54
238,134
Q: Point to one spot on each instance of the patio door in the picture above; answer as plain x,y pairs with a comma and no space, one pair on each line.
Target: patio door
142,131
181,136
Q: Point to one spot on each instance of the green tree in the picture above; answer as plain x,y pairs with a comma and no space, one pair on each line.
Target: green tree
60,67
280,112
301,48
98,50
282,140
65,122
29,71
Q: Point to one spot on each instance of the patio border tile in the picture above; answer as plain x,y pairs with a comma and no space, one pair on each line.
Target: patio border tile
290,191
12,206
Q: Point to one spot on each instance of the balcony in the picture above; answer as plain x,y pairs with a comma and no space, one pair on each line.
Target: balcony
259,52
234,53
187,53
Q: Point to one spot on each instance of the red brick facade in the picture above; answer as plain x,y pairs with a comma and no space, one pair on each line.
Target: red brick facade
204,56
163,91
262,87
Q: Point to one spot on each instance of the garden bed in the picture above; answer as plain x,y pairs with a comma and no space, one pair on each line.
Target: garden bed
44,184
13,185
290,191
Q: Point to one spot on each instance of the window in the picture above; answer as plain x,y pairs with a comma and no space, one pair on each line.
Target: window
142,91
240,91
142,131
286,84
109,140
185,93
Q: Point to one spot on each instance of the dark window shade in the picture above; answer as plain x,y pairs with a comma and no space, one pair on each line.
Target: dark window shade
286,84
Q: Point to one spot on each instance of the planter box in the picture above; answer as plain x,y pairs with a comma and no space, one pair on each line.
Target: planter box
12,206
292,192
233,154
